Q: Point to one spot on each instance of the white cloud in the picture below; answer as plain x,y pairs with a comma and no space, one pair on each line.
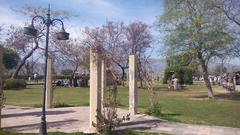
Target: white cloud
75,31
101,8
9,17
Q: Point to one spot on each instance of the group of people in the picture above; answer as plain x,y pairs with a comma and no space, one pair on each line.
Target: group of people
228,81
173,83
63,83
72,83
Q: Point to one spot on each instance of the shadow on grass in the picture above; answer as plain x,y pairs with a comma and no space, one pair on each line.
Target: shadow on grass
225,96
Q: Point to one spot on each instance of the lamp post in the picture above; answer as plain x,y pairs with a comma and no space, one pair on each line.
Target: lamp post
62,35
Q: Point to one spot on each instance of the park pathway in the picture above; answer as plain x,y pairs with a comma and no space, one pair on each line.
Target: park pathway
75,119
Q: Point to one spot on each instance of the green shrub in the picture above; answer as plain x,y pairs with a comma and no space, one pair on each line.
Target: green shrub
15,84
10,58
154,110
188,76
183,74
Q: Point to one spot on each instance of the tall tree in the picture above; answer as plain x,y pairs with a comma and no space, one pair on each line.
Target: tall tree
139,39
70,52
193,26
112,39
115,45
119,41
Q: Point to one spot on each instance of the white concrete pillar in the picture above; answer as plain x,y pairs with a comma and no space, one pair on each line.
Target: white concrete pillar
49,93
103,82
132,85
95,89
1,85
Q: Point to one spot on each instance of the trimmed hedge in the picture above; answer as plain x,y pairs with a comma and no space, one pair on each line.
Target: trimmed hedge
15,84
183,74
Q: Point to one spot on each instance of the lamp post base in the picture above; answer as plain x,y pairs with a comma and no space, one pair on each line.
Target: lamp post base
43,126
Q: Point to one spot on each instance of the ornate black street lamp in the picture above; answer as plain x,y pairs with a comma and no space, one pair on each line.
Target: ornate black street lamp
62,35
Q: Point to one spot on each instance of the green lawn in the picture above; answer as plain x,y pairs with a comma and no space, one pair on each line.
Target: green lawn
189,105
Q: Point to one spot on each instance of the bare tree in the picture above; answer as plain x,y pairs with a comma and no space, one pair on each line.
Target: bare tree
70,52
231,9
119,41
139,39
23,44
116,45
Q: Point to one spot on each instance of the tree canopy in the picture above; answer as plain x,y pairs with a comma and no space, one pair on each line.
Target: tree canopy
10,58
197,28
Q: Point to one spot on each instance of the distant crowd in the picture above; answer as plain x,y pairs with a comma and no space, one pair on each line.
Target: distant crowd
75,82
228,81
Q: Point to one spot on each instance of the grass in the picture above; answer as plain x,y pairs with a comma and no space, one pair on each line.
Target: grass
32,96
188,106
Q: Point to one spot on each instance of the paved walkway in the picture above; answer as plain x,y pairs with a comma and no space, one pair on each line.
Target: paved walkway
75,119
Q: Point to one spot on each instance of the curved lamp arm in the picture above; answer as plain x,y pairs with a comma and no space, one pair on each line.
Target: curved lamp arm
38,16
62,35
58,20
30,30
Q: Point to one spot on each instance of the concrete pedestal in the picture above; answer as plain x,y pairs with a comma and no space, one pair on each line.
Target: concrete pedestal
132,85
237,88
49,93
95,89
175,84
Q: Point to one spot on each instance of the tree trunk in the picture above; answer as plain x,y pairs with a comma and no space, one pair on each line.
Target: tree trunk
123,71
73,75
140,76
141,83
205,75
222,66
140,70
123,76
15,74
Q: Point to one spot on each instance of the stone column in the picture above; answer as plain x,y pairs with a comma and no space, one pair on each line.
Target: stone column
49,93
1,87
95,89
103,82
132,85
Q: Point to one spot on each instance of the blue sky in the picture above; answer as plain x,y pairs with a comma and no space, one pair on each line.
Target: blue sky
90,13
